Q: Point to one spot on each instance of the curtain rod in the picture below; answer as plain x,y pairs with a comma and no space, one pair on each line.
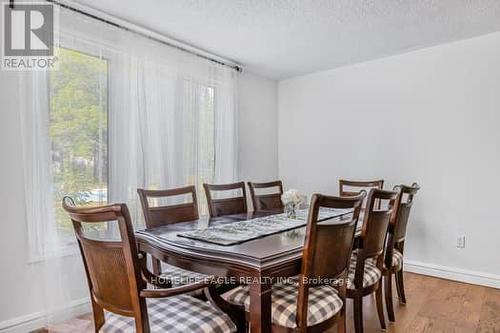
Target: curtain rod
117,25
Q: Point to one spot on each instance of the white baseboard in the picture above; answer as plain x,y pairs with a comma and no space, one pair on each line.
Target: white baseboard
37,320
452,273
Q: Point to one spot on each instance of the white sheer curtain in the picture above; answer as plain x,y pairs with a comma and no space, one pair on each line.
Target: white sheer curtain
34,117
172,121
47,249
170,129
172,115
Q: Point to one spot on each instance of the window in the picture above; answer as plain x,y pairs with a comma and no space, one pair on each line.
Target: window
78,131
120,112
205,144
193,148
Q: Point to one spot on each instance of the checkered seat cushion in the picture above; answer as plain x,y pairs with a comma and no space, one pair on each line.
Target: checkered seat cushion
371,274
397,260
178,314
324,303
180,277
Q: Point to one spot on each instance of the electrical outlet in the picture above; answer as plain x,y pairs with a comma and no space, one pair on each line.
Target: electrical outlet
461,242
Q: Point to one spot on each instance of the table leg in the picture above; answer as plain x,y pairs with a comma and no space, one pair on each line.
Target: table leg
260,307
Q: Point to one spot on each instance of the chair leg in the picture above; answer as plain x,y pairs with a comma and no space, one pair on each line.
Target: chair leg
358,314
141,318
242,325
398,290
388,297
380,306
401,286
341,322
99,318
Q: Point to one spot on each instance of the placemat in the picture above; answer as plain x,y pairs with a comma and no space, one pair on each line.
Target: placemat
243,231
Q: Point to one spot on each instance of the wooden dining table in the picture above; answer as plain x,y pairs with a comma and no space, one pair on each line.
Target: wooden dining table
260,262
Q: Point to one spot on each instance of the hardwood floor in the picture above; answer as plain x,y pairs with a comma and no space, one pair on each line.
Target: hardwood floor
434,305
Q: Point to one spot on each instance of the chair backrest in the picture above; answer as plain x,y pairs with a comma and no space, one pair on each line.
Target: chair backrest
327,248
397,228
112,266
376,222
354,187
266,201
226,206
403,206
166,214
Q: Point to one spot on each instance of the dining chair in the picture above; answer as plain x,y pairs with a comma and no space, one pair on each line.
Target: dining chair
353,187
395,246
118,282
160,215
228,205
366,266
266,200
314,300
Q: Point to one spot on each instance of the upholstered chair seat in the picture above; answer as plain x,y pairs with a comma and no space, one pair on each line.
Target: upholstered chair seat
178,314
323,303
181,277
371,274
397,260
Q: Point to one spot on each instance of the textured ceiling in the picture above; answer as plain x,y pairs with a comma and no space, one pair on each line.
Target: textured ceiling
285,38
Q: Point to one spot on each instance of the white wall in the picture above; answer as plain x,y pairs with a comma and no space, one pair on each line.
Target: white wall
431,116
258,130
21,282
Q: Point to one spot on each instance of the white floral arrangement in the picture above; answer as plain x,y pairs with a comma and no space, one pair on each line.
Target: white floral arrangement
292,199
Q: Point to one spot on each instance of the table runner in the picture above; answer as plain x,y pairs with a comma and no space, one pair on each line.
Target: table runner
243,231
